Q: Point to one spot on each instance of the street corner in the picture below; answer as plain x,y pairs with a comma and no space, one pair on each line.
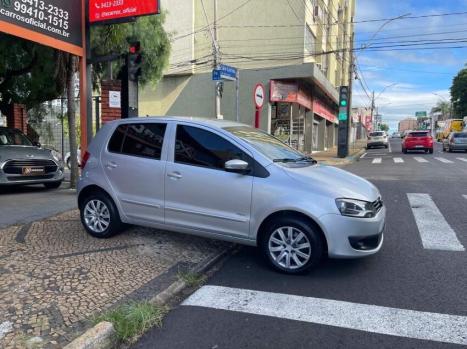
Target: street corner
55,278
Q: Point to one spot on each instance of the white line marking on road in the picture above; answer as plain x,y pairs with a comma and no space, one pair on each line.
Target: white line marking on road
398,160
363,156
465,196
389,147
5,327
435,231
462,159
377,161
446,161
421,159
369,318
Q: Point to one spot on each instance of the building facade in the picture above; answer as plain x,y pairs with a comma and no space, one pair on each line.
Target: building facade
299,50
408,124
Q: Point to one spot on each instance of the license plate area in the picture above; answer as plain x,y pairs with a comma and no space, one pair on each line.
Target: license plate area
33,171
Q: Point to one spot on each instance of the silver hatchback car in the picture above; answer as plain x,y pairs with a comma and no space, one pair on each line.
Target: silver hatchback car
228,181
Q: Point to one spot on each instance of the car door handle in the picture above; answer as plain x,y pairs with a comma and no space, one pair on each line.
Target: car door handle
111,165
174,175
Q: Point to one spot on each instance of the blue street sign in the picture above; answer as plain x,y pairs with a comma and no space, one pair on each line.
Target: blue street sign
227,72
216,75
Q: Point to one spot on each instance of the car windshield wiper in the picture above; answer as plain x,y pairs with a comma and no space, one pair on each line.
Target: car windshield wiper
303,159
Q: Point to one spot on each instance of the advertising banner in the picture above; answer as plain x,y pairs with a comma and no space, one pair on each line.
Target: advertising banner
118,10
55,23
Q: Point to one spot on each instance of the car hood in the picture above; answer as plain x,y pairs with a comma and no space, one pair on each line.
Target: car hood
23,152
334,181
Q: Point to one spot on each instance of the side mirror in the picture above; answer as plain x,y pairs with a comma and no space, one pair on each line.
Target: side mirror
237,166
36,144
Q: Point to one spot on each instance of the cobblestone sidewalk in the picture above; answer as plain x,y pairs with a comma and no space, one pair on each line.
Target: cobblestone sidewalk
54,277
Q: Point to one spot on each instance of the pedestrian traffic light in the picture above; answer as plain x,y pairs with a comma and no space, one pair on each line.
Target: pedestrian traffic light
344,96
135,61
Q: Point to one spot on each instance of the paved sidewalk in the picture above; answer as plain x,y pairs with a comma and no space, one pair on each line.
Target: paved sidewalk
329,157
54,277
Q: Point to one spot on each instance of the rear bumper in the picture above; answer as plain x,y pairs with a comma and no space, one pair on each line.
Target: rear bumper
376,144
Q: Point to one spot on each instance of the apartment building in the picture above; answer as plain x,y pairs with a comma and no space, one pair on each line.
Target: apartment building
408,124
298,49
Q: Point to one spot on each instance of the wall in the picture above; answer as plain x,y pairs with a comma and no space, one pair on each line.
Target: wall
107,113
17,117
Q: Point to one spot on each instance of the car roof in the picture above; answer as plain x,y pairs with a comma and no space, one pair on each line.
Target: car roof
216,123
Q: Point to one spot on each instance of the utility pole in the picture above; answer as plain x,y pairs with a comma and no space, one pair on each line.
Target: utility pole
219,84
351,75
372,110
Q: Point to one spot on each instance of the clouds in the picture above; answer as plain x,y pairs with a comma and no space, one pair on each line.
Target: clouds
419,74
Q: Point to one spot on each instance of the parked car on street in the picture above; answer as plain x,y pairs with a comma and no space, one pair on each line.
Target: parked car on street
377,139
396,135
228,181
456,141
418,140
68,159
22,162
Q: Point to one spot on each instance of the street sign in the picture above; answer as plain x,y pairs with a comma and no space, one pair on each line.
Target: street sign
227,72
420,114
216,75
259,95
54,23
120,10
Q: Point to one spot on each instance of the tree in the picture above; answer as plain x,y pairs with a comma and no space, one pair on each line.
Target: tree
114,39
444,108
28,73
459,93
384,127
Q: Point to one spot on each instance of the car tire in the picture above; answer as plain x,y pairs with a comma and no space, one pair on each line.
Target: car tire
299,259
430,151
100,216
449,150
404,150
53,185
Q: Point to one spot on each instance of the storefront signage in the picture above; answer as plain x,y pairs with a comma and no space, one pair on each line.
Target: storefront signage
55,23
113,10
320,109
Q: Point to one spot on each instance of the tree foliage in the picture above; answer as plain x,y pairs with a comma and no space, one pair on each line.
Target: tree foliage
28,73
442,107
459,93
384,127
114,39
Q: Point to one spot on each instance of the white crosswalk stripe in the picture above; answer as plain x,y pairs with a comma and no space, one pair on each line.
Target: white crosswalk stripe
446,161
377,161
398,160
435,231
363,317
421,160
465,196
462,159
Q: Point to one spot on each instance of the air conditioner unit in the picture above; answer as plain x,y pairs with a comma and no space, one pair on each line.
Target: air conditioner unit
316,11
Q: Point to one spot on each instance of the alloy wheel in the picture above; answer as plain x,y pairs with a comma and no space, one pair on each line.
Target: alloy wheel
96,216
289,248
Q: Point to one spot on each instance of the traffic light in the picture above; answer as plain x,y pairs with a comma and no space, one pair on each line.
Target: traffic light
135,61
344,96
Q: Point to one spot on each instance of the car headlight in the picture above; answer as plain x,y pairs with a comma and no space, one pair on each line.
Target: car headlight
56,155
356,208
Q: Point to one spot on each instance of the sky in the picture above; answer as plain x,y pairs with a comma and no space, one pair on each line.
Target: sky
407,81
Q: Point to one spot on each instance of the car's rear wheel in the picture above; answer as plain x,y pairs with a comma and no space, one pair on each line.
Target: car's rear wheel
404,150
99,216
53,185
292,245
430,151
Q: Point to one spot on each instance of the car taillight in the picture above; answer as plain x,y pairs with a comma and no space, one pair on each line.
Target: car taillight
85,159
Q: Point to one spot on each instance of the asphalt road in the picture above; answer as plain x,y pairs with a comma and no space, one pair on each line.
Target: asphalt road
20,205
410,295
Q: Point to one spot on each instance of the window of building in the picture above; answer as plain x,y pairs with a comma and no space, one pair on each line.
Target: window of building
198,147
142,140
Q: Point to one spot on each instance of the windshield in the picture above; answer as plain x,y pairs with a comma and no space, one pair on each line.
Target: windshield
13,137
266,144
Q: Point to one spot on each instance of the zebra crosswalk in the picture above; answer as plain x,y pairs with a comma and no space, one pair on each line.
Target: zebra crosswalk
419,159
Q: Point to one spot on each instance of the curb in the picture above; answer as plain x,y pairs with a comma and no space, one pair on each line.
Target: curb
345,161
103,335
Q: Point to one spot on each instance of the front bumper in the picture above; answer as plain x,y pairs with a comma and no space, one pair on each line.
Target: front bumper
349,237
6,180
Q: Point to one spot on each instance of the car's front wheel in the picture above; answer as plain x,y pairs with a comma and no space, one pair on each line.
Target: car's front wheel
99,216
292,245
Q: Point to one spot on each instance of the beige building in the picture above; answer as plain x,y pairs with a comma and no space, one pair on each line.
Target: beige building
408,124
298,49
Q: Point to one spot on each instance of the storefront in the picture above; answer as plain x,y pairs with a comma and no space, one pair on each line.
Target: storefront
300,117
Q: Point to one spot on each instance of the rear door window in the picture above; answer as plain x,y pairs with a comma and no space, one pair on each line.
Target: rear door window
376,134
198,147
139,139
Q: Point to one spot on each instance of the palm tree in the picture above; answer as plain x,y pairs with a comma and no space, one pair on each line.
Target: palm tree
444,108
